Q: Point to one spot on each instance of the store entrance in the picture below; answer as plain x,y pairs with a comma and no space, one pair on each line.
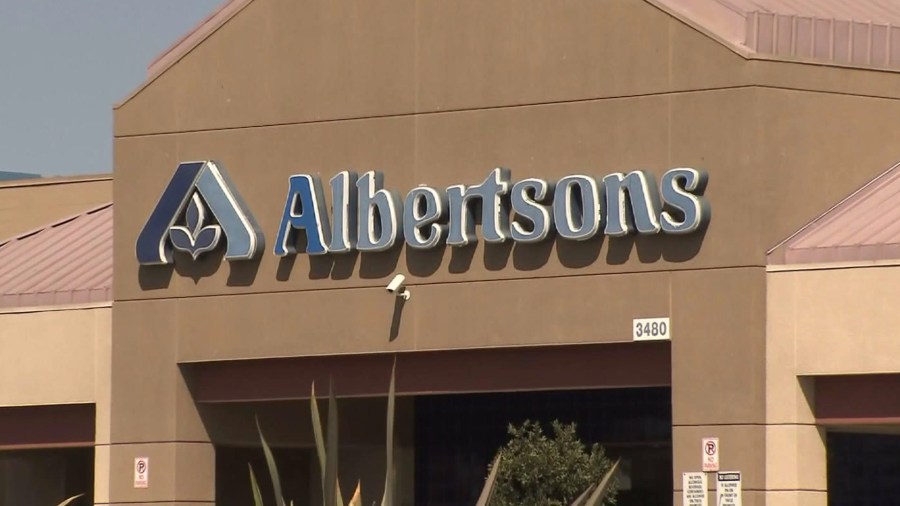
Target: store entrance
448,421
443,442
863,469
456,437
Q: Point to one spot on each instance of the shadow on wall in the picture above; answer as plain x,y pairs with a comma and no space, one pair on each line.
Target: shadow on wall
158,277
495,257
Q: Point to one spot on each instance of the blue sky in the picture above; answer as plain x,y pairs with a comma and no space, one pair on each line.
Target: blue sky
63,63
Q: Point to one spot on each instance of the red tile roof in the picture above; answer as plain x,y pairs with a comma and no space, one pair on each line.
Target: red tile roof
67,262
864,227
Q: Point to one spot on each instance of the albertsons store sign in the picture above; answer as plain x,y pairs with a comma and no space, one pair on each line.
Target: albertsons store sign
201,206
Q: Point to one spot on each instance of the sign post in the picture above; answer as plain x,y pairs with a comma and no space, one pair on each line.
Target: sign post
693,486
728,488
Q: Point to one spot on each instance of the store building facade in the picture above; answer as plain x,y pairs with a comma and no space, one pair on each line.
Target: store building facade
238,283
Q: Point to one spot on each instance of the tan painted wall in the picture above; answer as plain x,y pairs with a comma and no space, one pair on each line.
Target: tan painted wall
27,205
54,357
387,58
759,195
795,447
845,320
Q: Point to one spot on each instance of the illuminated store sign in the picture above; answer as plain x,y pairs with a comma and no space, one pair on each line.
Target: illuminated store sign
367,217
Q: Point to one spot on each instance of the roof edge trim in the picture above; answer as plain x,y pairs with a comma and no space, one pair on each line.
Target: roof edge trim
85,306
56,223
54,180
670,9
832,266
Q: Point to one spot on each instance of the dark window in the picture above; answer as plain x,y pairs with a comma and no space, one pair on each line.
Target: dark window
863,469
47,476
457,435
233,475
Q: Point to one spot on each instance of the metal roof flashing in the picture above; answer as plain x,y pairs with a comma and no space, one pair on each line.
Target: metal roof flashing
859,34
862,228
36,272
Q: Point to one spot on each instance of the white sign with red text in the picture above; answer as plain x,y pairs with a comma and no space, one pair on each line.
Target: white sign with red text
141,472
710,454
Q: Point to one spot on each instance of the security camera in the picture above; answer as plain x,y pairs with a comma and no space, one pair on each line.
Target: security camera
397,286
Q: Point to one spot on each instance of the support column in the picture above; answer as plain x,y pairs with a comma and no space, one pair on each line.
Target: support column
796,460
153,415
718,375
102,401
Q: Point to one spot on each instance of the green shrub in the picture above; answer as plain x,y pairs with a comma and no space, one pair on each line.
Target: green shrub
538,470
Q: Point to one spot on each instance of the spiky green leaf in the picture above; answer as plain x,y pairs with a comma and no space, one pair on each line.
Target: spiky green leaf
579,501
70,500
356,500
273,469
332,488
254,486
488,490
389,481
603,487
317,433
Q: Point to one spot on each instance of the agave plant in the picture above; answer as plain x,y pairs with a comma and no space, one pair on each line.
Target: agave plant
327,452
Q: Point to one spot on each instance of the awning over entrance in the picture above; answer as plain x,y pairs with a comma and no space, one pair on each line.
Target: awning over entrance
456,371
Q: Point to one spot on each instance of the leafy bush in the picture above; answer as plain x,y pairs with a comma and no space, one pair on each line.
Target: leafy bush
539,470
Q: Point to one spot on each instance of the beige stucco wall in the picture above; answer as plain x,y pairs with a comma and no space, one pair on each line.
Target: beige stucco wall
844,320
61,356
795,453
822,320
54,356
29,204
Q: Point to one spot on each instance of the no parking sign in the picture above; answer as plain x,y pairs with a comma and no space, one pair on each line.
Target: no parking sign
141,472
710,454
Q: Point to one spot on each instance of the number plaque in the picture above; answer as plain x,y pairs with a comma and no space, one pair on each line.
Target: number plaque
650,329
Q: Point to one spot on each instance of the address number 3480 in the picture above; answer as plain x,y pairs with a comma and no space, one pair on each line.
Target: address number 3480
650,329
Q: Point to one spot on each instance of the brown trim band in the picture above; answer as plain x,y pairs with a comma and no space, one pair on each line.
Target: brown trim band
47,426
857,399
615,365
